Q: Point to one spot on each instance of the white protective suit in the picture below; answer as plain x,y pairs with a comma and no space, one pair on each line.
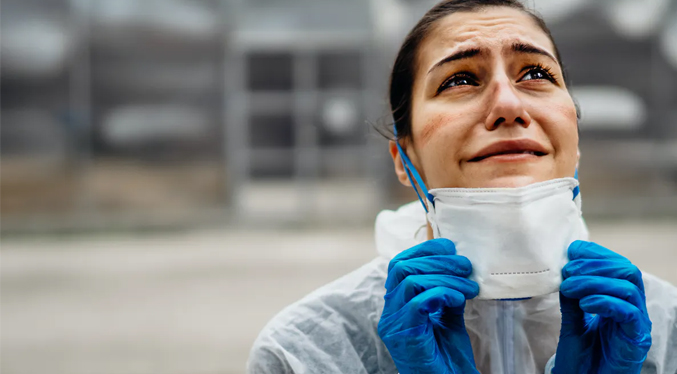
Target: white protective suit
333,329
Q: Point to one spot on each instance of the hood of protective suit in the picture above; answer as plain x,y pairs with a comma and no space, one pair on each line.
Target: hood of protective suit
397,230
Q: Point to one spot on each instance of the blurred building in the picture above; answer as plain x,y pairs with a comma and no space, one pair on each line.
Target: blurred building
122,113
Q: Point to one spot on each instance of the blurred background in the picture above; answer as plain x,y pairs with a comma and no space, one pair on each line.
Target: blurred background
175,172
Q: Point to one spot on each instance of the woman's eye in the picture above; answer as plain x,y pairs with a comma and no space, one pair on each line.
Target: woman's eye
458,80
538,73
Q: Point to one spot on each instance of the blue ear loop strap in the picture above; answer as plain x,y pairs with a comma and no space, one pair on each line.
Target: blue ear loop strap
413,174
577,190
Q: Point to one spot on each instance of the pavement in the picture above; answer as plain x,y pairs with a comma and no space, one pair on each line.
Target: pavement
193,302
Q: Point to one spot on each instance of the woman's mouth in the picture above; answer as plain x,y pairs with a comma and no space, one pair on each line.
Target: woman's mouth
510,150
516,156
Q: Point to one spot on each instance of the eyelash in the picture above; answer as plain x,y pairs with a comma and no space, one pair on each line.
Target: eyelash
549,75
463,74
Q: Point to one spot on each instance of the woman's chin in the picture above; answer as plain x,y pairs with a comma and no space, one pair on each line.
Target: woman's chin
509,175
507,181
512,181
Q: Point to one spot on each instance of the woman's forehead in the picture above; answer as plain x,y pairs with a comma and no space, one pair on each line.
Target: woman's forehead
493,29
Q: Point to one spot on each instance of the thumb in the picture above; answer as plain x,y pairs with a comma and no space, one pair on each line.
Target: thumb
572,343
573,317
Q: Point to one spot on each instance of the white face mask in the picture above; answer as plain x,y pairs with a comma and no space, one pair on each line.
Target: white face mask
515,238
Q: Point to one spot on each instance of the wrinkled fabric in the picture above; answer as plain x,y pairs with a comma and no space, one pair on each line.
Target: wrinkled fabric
334,329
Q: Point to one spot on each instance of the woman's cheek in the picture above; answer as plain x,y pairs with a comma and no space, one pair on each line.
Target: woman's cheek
558,118
567,127
437,118
439,142
560,123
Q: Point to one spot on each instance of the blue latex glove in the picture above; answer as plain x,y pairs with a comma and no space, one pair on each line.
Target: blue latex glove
422,323
605,324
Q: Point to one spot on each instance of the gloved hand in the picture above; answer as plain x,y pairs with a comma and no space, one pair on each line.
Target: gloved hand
422,323
605,324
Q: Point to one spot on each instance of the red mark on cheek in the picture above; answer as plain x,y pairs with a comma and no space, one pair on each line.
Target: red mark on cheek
432,125
568,112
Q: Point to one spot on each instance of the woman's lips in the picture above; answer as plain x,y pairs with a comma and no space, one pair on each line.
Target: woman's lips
510,150
511,157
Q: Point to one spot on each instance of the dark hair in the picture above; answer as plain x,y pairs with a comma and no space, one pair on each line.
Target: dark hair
402,75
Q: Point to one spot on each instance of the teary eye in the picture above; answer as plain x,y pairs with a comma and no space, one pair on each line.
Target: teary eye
538,72
460,79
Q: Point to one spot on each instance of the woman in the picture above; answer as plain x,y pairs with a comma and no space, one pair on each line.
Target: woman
484,118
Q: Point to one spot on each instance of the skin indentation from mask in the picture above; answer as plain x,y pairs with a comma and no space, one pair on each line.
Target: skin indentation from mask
523,272
434,124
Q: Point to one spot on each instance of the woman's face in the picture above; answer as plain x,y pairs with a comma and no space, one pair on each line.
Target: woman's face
489,105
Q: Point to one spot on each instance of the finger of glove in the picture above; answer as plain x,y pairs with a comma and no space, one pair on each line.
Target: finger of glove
633,322
451,265
415,351
432,301
580,249
604,268
433,247
415,285
580,286
417,311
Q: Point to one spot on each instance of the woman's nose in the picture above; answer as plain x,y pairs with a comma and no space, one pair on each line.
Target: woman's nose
506,108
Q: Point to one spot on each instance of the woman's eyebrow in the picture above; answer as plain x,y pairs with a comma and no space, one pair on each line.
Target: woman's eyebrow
460,55
520,47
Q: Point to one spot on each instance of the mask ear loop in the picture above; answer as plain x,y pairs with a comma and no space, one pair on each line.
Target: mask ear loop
577,190
413,175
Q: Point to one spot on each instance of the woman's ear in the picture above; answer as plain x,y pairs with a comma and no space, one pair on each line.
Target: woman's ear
397,162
